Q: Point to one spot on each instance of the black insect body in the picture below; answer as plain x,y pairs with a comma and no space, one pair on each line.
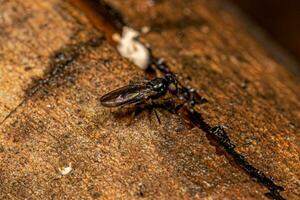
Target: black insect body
188,95
140,92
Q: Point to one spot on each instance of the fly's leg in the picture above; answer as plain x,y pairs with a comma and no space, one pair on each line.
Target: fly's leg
154,109
132,116
138,109
157,116
151,106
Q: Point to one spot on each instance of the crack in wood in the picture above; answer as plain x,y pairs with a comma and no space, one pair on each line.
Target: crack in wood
102,16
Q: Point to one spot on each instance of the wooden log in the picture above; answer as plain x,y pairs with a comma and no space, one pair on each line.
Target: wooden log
56,63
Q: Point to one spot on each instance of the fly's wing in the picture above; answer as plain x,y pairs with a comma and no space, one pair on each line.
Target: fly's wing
126,95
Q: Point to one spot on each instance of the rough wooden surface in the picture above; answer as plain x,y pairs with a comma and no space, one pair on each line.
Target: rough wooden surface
54,65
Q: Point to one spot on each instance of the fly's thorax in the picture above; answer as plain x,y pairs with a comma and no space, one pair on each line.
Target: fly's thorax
159,85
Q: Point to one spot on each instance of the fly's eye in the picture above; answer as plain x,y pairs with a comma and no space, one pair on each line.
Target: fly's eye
173,88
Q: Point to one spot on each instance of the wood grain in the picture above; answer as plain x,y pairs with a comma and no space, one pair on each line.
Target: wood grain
55,65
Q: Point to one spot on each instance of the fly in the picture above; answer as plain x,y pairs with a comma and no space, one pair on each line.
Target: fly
141,92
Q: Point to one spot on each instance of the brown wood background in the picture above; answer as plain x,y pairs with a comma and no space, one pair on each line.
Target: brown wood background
54,66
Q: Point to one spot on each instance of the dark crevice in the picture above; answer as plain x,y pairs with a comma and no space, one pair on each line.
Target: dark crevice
179,24
102,16
97,11
219,135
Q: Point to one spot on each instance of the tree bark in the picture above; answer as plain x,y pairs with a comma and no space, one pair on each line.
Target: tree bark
55,63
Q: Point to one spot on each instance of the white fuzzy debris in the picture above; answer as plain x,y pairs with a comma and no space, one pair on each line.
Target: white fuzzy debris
66,170
130,47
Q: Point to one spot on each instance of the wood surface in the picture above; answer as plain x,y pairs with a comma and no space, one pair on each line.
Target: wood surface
55,63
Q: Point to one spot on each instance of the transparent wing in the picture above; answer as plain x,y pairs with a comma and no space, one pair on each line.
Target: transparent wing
126,95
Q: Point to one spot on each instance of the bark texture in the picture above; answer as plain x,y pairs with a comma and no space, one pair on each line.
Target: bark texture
54,66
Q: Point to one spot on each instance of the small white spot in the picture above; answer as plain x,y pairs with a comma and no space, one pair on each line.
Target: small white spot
145,29
66,170
130,47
